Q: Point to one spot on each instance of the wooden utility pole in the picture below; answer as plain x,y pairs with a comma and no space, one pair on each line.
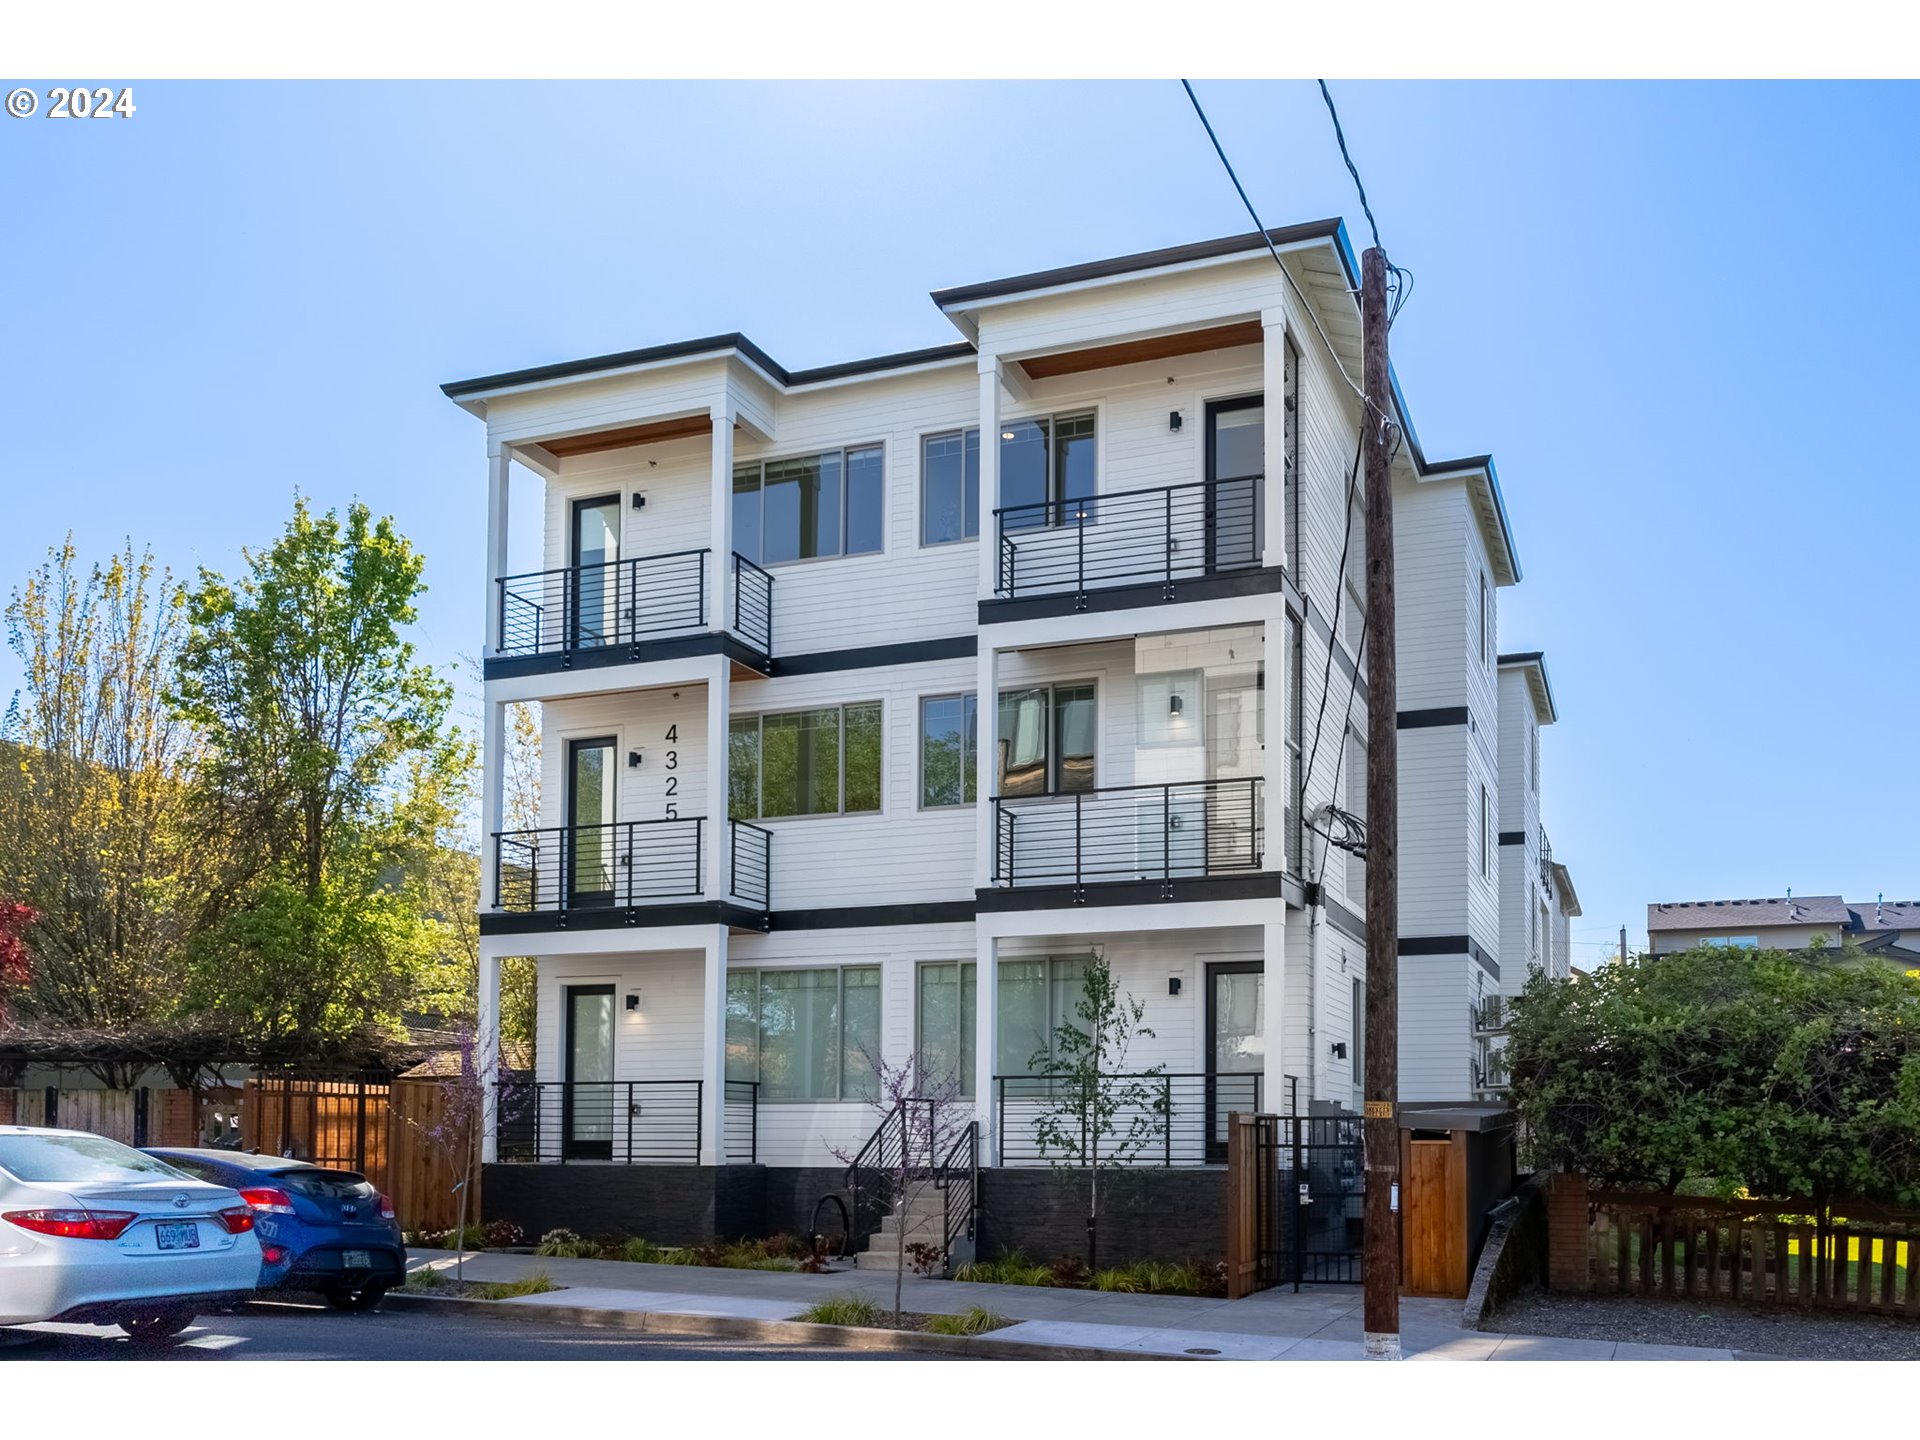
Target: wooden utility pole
1380,1125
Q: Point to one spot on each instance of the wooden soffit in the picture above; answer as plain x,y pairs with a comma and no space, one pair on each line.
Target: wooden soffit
651,433
1132,352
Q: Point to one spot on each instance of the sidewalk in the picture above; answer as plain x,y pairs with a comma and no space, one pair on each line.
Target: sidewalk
1319,1323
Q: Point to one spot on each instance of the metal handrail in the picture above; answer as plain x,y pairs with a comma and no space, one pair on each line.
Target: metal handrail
753,604
612,602
629,1122
628,862
751,865
1168,533
1129,832
1190,1105
961,1163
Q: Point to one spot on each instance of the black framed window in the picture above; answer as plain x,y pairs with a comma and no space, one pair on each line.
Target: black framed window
949,750
945,1023
805,1034
1048,736
1047,470
808,507
950,487
805,762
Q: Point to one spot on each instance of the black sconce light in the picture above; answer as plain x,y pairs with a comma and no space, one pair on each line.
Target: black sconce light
1174,420
1175,705
639,501
1339,1049
1173,985
633,1001
634,757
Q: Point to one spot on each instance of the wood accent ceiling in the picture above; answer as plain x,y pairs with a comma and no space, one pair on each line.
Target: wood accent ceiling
648,434
1132,352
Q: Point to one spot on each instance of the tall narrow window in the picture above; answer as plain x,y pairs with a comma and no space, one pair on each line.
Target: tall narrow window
949,750
1359,1033
1047,471
807,507
949,487
1296,735
1047,740
1485,655
1485,826
1533,752
945,1024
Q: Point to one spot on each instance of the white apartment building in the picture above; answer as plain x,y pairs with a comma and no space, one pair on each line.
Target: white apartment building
781,832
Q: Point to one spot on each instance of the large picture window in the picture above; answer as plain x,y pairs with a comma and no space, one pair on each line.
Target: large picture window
1048,736
810,506
949,750
949,487
945,1016
804,1034
805,762
1037,997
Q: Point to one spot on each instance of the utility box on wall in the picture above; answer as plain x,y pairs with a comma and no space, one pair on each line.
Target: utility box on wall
1456,1164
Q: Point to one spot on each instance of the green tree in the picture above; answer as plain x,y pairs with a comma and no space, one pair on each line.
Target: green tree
94,795
1099,1115
329,776
1779,1073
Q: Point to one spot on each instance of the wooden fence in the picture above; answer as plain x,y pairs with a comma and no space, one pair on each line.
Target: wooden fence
1253,1143
1760,1252
424,1177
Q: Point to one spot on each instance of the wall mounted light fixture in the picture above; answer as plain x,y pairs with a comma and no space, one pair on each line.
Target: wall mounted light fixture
633,1001
1339,1049
1175,705
1173,985
1174,420
634,759
639,501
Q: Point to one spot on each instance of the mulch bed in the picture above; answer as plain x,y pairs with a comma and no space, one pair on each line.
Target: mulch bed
1793,1335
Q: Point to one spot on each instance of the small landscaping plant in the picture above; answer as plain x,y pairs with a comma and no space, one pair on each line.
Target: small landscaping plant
501,1235
563,1244
537,1283
424,1282
974,1320
843,1310
1067,1272
642,1252
924,1258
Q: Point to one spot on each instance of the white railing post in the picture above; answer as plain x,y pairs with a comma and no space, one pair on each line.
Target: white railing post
989,473
713,1050
498,460
986,1042
1272,491
720,558
493,797
487,1053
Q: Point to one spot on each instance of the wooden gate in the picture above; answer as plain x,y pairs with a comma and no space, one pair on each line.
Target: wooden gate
1433,1214
1253,1240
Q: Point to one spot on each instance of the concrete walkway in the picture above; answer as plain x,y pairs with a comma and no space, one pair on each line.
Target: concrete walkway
1320,1323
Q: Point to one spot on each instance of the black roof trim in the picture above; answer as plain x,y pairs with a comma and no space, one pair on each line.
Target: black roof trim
931,355
1144,260
1523,657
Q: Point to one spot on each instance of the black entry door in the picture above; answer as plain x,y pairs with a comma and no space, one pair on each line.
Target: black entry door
591,849
1236,1045
595,613
586,1117
1236,465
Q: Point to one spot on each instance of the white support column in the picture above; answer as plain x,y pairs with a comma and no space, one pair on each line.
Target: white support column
487,1053
718,836
713,1050
989,472
498,460
493,797
987,768
1273,955
720,556
986,1042
1273,325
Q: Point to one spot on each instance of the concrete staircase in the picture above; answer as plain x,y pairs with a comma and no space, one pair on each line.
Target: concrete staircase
921,1221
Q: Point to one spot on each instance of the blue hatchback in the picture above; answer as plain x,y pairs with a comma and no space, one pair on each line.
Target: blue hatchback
326,1231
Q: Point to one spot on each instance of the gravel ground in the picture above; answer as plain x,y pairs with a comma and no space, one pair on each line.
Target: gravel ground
1794,1336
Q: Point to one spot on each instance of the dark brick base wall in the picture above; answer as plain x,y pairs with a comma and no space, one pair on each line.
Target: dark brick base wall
791,1194
668,1204
1144,1214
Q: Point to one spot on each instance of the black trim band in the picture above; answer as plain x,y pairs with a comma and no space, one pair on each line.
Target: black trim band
867,657
848,917
651,917
1256,885
1449,945
1431,719
1264,580
1513,837
1344,920
678,647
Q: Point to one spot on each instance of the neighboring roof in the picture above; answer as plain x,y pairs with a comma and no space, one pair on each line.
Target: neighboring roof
1534,664
1745,914
1873,915
1563,887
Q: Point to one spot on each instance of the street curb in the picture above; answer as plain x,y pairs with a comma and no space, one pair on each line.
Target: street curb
794,1332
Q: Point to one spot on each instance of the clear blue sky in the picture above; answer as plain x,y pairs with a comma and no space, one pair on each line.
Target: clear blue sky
1658,306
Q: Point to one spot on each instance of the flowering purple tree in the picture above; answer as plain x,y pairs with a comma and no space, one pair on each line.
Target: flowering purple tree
922,1119
454,1126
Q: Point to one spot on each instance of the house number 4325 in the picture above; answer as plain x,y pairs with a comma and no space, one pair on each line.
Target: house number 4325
673,781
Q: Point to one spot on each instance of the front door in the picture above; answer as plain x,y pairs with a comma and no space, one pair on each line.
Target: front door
1235,761
1236,1045
590,851
587,1112
1236,465
595,617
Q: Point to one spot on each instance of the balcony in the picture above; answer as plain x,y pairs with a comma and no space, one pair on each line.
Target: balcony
1165,540
619,870
1142,1120
615,611
1129,836
620,1122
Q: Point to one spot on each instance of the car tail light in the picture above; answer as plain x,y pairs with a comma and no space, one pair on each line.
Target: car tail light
74,1224
273,1254
386,1207
266,1200
238,1219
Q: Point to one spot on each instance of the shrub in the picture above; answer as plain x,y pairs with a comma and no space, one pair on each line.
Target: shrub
843,1310
922,1258
472,1238
974,1320
1013,1268
422,1282
536,1283
563,1244
1124,1280
500,1234
643,1252
1067,1271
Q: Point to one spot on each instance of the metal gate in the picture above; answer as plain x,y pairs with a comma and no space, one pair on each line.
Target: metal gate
1322,1199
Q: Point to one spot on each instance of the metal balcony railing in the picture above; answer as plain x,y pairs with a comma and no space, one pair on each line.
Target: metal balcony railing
753,604
621,1122
1130,832
598,867
588,607
752,862
1137,1120
1169,534
1546,863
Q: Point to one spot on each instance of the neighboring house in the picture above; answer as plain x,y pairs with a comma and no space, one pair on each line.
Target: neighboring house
1890,928
782,831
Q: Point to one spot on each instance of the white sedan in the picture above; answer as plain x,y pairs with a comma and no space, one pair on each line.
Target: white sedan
92,1231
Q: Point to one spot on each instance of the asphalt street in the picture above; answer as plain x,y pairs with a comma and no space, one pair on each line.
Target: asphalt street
289,1332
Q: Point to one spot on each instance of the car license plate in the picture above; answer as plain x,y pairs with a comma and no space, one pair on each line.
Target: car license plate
357,1259
183,1235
